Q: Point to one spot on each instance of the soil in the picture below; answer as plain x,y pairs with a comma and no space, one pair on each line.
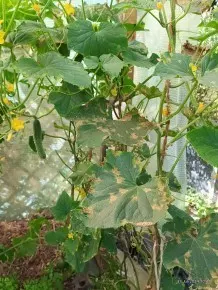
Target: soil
29,267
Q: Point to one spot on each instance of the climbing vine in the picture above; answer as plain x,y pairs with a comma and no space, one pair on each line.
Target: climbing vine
82,67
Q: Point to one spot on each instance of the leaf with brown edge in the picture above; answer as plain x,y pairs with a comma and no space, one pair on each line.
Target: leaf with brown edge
194,248
116,199
126,131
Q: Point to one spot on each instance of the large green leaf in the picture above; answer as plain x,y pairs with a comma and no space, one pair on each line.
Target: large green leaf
136,54
91,62
96,39
53,64
82,173
111,64
30,32
138,4
176,66
65,103
87,248
116,199
62,207
133,132
205,142
195,248
56,237
210,79
209,62
168,282
195,6
25,246
78,105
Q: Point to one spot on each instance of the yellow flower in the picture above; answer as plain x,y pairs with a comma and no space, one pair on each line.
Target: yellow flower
6,102
2,158
70,236
114,92
165,112
9,137
193,67
69,9
2,35
159,5
17,124
1,21
36,7
200,108
10,87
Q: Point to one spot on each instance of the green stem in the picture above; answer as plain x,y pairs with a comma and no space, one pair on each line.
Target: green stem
83,9
180,134
173,24
139,22
177,160
138,87
111,4
57,137
181,105
3,14
12,18
27,97
159,134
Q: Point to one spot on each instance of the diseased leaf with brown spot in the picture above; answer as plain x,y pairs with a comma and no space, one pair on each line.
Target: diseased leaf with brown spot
194,247
117,199
130,132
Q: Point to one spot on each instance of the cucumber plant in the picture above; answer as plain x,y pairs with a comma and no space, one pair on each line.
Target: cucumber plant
114,197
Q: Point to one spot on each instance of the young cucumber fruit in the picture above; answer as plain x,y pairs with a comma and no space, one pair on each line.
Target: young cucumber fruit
37,136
